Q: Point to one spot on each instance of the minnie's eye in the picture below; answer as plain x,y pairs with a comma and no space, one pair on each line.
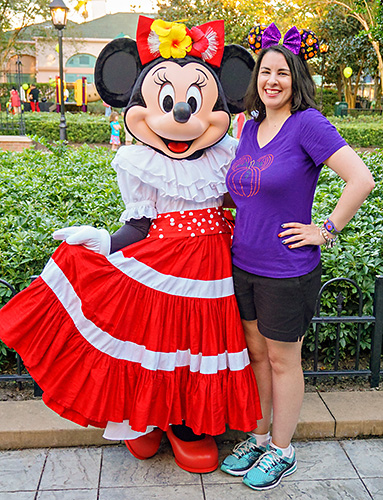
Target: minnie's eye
194,98
166,98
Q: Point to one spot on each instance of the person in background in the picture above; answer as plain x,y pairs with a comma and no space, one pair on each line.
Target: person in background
276,245
15,101
108,109
115,131
34,98
22,94
238,123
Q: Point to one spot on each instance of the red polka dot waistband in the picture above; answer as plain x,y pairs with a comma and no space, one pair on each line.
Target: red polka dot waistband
200,222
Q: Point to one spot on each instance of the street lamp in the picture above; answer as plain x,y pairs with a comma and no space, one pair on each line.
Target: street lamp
59,13
323,49
18,72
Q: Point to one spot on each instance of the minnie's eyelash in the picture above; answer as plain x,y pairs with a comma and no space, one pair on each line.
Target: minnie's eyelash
160,79
200,82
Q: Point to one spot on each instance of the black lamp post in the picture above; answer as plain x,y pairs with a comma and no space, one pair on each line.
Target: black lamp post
59,13
18,72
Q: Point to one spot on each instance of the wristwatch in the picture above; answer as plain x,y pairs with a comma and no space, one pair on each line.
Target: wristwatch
330,227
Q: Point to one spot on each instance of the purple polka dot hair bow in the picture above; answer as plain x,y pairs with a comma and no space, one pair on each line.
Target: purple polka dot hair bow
292,39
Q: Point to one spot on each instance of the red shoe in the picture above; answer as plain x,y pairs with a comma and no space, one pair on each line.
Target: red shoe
194,456
145,446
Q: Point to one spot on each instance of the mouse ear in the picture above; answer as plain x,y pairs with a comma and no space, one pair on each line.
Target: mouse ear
117,68
234,74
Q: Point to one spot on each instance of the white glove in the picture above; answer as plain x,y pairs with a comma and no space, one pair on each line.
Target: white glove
97,240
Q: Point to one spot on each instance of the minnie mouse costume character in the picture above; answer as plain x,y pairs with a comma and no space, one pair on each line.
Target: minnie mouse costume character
139,332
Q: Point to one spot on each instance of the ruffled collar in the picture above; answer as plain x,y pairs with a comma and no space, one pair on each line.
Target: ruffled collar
196,180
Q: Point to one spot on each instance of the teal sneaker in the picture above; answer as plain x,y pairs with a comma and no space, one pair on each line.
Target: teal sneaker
269,470
243,458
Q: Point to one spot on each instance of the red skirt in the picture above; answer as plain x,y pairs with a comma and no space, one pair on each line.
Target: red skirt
150,334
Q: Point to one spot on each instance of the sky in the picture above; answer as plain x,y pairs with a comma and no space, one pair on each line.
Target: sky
97,8
124,6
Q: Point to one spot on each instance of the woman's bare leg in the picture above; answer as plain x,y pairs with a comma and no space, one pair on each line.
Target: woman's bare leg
259,359
287,389
277,368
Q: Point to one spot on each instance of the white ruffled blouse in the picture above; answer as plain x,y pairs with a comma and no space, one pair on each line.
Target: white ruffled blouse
151,183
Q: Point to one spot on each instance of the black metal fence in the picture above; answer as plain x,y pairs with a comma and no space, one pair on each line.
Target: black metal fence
10,126
373,373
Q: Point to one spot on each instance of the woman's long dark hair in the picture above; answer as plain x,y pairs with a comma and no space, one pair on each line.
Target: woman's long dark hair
303,86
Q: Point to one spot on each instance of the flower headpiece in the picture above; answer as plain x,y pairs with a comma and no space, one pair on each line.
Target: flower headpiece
303,42
174,40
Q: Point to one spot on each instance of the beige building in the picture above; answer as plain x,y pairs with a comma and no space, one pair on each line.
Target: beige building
37,48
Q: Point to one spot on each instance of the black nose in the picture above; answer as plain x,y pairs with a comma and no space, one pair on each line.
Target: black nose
182,112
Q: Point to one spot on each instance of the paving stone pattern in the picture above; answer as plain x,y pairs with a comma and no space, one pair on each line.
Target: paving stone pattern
335,470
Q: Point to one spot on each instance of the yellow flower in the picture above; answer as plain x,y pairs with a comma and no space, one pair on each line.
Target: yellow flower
174,42
175,48
162,28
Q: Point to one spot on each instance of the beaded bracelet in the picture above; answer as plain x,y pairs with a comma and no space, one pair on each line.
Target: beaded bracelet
330,242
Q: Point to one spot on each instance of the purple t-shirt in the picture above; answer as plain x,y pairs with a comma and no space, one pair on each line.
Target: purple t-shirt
274,185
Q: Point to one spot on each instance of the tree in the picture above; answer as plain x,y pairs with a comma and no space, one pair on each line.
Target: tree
347,47
370,16
81,7
21,14
239,16
299,13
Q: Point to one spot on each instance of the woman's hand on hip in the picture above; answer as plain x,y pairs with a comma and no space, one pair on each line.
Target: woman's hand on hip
296,235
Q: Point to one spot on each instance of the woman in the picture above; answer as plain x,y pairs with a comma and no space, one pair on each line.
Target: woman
276,246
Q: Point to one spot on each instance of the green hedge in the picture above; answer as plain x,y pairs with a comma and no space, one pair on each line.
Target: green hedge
364,131
41,191
82,128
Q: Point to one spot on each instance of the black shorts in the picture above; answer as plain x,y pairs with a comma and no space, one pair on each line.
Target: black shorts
283,307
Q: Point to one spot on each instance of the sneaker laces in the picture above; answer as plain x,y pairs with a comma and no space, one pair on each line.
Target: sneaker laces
269,460
241,449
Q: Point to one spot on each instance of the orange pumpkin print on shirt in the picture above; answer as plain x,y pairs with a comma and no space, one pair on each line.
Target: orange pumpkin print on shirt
244,177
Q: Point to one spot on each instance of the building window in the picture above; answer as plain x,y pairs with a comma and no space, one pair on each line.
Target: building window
72,77
81,61
84,60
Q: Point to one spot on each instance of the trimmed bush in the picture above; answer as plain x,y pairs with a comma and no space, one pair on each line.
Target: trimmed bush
45,190
82,128
364,131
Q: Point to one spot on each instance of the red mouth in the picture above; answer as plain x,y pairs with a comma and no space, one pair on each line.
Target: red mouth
178,147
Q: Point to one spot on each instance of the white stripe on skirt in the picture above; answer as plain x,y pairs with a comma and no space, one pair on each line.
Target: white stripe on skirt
129,351
173,285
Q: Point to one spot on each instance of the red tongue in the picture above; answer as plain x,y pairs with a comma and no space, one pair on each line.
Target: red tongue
178,147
